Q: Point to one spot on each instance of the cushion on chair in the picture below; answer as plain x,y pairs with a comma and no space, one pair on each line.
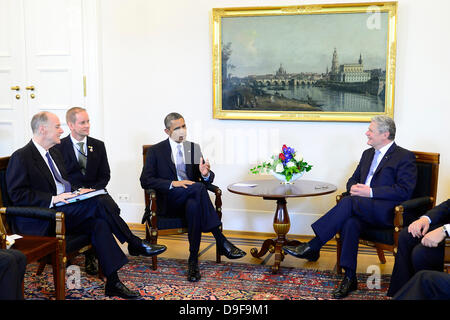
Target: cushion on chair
424,176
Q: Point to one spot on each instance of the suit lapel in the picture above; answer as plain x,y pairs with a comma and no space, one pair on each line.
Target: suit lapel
68,147
386,157
188,158
365,167
90,155
169,158
40,163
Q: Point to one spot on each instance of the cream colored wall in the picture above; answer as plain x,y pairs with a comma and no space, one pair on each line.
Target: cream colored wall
148,48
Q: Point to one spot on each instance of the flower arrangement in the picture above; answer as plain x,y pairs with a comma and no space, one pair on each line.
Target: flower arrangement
288,164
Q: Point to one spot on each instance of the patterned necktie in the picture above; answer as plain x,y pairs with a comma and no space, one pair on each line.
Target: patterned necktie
373,166
82,158
65,183
181,167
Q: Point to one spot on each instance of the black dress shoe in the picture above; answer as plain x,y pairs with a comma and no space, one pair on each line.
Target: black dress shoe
193,272
302,251
90,263
146,249
118,289
230,251
347,285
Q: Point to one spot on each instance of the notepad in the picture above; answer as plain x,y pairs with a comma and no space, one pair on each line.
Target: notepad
10,239
245,185
83,196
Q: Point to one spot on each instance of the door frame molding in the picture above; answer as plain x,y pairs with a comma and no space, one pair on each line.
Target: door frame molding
91,65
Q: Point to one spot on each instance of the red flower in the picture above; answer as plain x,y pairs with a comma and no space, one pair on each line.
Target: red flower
284,148
282,157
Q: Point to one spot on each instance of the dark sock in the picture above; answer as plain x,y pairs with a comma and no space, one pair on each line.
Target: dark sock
135,241
112,278
193,257
217,233
350,273
315,244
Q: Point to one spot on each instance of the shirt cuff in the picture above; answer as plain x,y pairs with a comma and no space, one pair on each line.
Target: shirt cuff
429,220
207,177
371,193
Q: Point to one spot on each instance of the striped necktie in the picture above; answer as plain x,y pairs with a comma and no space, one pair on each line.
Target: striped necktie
82,158
181,166
373,167
58,178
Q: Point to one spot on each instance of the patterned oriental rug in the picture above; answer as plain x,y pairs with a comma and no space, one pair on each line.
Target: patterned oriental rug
224,281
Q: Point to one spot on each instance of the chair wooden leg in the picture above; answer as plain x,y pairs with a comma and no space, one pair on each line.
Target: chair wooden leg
218,256
154,262
381,255
338,253
59,276
42,264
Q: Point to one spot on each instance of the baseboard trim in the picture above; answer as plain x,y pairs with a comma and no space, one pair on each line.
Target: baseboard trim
241,220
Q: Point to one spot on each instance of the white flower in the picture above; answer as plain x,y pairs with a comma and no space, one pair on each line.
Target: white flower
291,164
298,157
279,168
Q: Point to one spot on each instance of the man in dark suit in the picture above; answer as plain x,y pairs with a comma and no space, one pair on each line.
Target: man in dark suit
426,285
85,161
384,177
175,168
36,177
421,246
12,271
85,157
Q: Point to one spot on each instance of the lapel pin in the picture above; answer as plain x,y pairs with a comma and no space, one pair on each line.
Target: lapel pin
91,148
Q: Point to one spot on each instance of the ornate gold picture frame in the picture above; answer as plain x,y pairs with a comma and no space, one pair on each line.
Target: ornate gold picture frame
330,62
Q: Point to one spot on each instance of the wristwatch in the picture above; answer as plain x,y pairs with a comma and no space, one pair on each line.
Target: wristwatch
447,232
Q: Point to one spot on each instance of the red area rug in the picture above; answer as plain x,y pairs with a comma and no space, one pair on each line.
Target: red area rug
224,281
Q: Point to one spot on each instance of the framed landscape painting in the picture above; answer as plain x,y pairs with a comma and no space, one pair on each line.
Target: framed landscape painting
331,62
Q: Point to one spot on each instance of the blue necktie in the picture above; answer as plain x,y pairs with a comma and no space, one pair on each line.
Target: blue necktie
65,183
181,167
373,166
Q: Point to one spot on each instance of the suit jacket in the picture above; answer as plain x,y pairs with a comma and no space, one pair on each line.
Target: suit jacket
440,214
393,181
29,180
97,167
159,170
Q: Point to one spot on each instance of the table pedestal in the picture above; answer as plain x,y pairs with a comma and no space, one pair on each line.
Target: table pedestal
281,225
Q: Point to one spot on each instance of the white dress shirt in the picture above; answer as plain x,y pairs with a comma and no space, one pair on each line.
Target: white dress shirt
76,147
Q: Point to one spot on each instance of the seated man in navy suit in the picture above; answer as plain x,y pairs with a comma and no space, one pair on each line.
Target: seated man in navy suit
85,161
85,157
175,168
385,176
36,176
421,246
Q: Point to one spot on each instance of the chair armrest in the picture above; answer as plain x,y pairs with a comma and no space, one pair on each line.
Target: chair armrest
410,210
342,195
214,189
150,191
31,212
39,213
